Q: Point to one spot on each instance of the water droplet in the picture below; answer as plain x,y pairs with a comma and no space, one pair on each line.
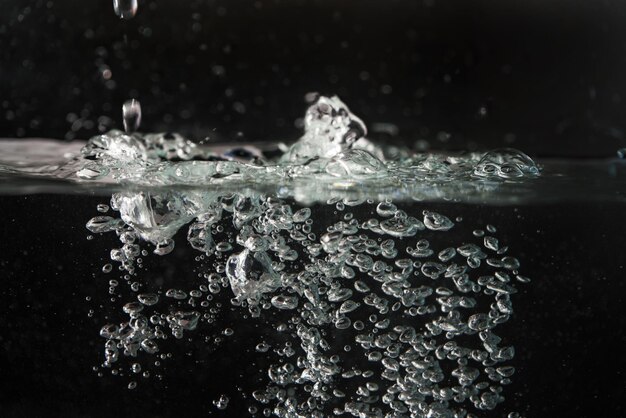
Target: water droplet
131,113
125,9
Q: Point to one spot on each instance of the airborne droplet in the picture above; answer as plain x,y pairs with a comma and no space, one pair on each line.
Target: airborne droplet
131,112
125,9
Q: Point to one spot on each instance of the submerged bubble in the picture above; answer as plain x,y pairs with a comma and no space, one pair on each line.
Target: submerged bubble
401,227
100,224
285,302
222,402
386,209
437,222
251,274
102,208
148,299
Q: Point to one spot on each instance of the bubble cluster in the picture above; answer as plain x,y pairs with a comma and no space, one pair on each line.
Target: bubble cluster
383,310
506,163
419,313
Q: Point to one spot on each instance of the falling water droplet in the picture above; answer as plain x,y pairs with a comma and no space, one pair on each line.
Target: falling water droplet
125,9
131,112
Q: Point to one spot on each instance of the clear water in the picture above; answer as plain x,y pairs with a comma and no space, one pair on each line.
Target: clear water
350,278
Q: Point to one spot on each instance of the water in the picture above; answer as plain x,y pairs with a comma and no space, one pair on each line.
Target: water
337,276
429,369
125,9
131,115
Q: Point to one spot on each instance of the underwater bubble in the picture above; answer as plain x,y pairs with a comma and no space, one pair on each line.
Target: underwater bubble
133,307
339,295
149,346
222,402
186,320
491,243
176,294
200,238
251,274
401,227
447,254
100,224
302,215
348,306
164,247
386,209
436,222
285,302
148,299
109,331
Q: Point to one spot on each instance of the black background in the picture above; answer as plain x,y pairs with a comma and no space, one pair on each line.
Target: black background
548,74
568,328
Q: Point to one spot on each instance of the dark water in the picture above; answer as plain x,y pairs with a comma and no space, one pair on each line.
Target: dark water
568,326
426,75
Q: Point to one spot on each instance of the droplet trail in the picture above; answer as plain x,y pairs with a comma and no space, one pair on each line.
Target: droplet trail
131,113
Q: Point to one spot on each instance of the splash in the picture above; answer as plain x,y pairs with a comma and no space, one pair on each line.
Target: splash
333,155
389,312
